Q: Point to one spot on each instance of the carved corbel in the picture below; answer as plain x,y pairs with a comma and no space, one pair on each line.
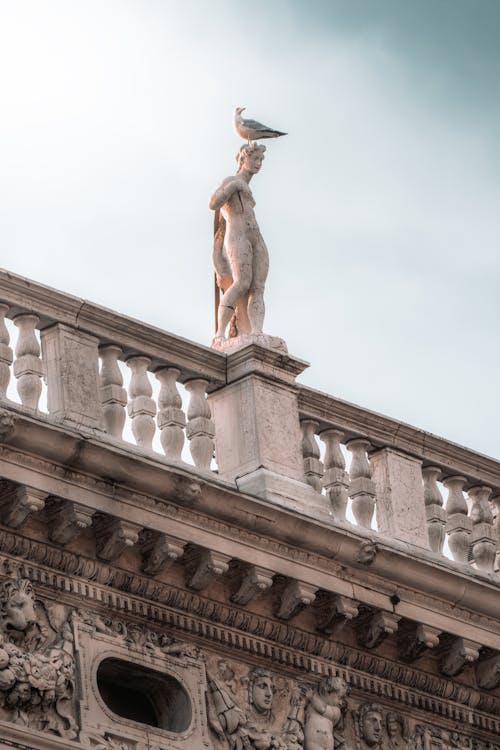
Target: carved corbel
461,653
488,672
67,519
377,628
296,595
418,640
208,565
335,611
255,581
17,502
159,551
113,536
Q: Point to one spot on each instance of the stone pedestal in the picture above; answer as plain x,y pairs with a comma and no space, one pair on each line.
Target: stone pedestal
71,360
400,496
257,430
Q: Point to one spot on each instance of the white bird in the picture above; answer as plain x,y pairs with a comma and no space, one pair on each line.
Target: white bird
251,130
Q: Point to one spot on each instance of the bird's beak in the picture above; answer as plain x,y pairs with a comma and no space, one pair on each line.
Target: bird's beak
242,109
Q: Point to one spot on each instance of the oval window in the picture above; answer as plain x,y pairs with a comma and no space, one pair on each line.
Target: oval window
144,695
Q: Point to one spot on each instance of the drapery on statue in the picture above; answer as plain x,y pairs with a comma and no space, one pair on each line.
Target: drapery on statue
240,257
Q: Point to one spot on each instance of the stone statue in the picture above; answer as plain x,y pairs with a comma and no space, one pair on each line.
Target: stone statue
370,724
323,714
240,256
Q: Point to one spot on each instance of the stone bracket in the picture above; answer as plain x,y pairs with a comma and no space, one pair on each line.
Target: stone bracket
377,628
159,551
461,653
255,581
421,638
209,565
113,536
294,598
67,519
488,672
17,502
335,612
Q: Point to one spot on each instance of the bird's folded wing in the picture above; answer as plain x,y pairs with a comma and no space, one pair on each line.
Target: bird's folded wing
254,125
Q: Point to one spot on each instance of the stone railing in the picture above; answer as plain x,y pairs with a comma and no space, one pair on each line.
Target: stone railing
74,356
67,361
395,480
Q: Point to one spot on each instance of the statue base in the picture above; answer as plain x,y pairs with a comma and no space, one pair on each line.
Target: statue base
239,342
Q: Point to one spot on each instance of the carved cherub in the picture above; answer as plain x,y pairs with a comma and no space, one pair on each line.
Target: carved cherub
323,713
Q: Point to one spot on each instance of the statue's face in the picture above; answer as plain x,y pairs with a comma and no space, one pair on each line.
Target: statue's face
372,728
19,611
262,694
253,161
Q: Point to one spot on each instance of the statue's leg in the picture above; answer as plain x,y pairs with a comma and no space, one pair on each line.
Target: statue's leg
241,272
242,320
256,306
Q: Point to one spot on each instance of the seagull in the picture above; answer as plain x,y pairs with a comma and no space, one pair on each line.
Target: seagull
251,130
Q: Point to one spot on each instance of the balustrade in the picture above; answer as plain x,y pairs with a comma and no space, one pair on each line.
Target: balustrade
151,388
468,531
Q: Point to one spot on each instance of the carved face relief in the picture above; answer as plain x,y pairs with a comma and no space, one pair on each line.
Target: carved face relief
371,727
262,694
17,606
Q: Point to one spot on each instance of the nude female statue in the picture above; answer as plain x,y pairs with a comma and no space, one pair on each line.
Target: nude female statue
240,256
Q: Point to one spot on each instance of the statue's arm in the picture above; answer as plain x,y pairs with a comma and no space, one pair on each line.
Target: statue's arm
223,193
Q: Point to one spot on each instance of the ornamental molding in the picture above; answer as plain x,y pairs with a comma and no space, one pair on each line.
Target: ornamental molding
74,579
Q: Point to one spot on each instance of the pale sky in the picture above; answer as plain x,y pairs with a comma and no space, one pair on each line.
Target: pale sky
380,209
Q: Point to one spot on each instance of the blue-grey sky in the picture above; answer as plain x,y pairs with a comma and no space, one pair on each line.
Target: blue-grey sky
380,208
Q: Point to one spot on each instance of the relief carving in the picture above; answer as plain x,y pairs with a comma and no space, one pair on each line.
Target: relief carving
37,668
369,724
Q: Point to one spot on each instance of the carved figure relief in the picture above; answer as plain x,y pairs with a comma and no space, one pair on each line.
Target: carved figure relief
37,667
369,724
324,713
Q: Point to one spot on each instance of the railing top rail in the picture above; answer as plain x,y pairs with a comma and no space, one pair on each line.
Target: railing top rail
135,337
382,431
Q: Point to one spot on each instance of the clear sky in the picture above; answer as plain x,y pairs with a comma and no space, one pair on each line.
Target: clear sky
381,208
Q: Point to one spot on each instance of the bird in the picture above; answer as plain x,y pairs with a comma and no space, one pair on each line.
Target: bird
251,130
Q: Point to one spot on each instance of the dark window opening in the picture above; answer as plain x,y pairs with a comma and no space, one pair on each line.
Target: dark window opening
144,695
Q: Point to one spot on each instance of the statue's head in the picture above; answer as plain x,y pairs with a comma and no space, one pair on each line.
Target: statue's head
17,604
260,690
371,723
250,157
333,690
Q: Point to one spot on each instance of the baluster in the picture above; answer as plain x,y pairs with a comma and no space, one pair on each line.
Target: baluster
200,428
336,479
483,535
5,351
458,525
141,407
113,395
362,489
28,367
436,514
171,419
313,468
